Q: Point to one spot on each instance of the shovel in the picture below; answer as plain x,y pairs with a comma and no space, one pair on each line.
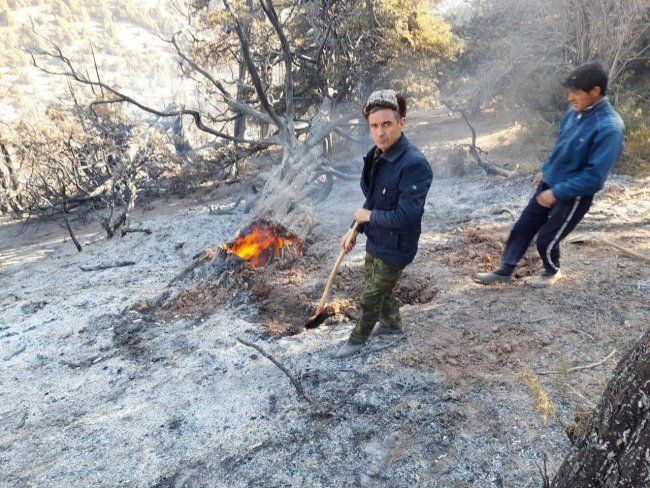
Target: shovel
320,315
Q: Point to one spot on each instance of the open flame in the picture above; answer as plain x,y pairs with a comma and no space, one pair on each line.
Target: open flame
262,240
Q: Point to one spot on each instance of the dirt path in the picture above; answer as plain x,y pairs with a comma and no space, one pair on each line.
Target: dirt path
99,389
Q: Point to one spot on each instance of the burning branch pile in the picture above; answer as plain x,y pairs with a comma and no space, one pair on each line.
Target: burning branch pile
262,240
236,273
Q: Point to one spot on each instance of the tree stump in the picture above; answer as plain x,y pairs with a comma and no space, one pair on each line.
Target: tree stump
614,450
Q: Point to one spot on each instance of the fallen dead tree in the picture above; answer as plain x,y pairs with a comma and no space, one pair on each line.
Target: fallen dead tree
473,149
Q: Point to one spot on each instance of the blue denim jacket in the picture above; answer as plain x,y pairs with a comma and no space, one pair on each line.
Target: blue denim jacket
588,146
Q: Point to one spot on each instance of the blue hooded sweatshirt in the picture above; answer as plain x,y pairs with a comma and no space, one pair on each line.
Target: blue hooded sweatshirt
588,146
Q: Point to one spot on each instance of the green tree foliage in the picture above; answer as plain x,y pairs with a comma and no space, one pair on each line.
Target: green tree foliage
388,43
340,49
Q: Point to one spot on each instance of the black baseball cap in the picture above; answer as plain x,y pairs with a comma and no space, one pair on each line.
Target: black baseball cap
586,77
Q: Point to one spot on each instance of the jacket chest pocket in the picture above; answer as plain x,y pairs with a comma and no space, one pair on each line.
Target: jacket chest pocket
390,197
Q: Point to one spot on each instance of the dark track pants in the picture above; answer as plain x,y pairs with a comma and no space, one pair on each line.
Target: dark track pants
551,226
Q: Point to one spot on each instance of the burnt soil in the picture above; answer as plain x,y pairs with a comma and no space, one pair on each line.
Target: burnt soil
133,376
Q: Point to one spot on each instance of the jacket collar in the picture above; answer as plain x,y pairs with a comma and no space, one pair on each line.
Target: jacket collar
396,149
599,105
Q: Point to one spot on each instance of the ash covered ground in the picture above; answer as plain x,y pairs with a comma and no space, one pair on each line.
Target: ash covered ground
133,376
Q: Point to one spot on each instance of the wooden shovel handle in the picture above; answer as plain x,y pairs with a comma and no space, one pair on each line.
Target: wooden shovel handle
624,250
330,280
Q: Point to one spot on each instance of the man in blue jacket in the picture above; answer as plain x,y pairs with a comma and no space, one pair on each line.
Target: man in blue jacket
395,181
589,144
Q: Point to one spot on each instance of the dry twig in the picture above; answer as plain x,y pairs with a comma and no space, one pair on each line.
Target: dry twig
107,266
316,405
129,230
72,236
579,368
588,403
545,480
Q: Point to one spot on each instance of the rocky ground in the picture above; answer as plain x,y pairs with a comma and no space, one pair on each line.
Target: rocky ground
134,375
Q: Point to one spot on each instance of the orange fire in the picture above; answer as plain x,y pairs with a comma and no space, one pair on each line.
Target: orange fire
261,241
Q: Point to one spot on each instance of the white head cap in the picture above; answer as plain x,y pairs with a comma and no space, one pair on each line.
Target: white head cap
382,98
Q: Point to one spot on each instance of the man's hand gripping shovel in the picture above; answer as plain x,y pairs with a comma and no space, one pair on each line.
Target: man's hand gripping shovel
320,315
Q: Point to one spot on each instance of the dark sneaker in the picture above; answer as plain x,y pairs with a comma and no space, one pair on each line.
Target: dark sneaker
348,349
491,277
380,330
546,279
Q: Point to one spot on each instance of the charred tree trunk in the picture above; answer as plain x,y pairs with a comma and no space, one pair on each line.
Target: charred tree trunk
288,192
614,451
181,144
240,120
112,226
473,149
476,151
242,90
9,185
285,194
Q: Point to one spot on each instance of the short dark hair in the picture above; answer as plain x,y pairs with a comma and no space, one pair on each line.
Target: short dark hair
382,102
586,77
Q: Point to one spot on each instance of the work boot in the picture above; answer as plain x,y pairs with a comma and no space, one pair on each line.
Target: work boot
546,279
380,330
492,277
348,349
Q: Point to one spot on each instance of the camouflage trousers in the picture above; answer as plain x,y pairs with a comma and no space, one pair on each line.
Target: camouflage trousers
377,300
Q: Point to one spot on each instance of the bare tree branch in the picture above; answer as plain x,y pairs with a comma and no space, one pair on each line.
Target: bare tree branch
232,103
255,76
317,405
271,14
72,236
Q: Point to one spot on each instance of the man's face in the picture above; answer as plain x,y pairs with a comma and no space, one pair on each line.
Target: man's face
385,129
581,100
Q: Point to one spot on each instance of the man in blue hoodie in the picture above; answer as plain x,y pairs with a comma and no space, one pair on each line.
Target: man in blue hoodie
589,144
395,181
